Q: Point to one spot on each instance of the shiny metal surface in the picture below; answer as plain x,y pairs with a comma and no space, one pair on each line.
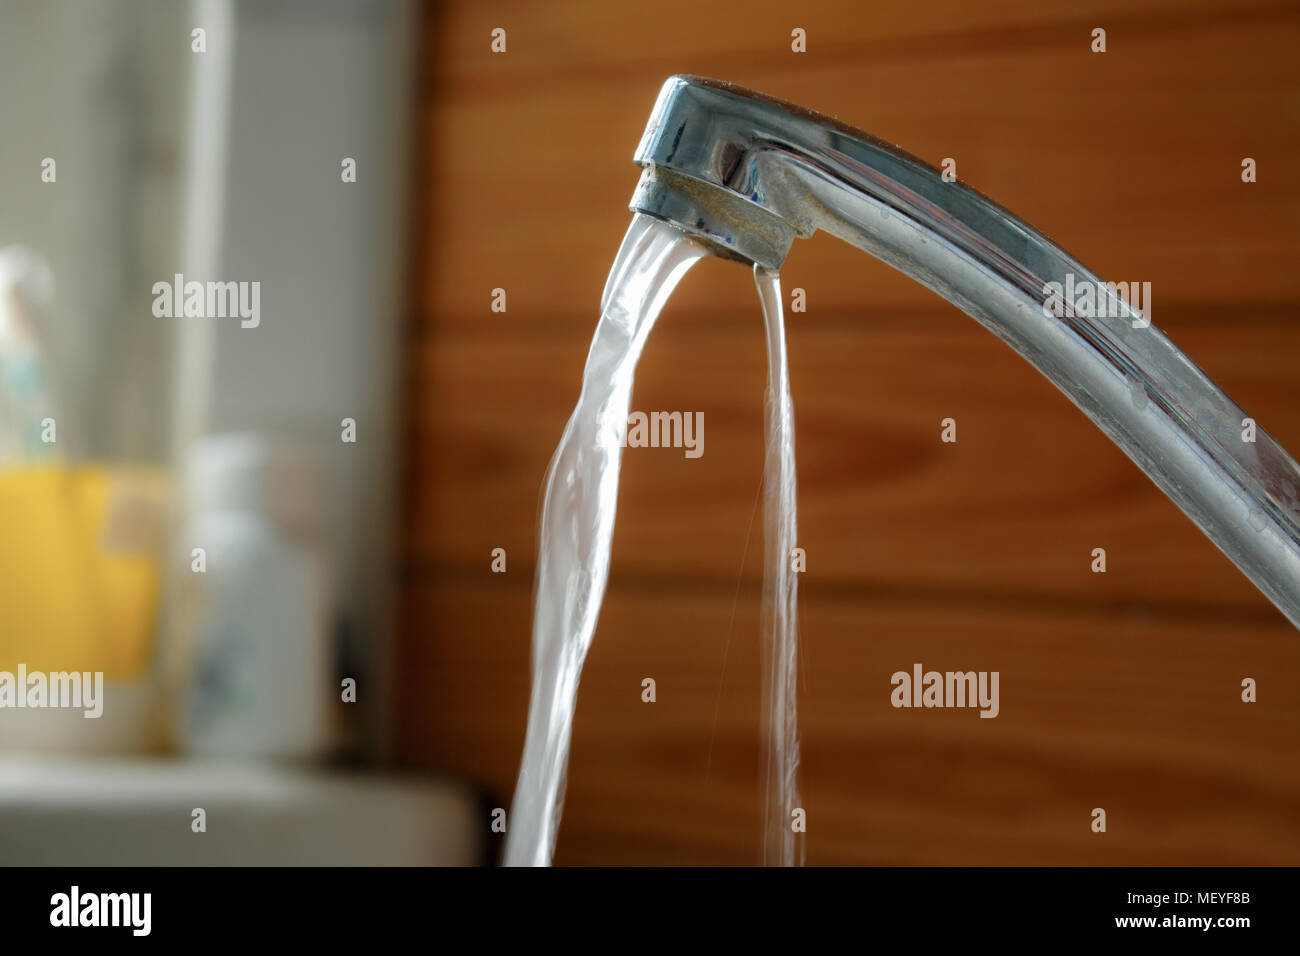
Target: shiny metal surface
748,174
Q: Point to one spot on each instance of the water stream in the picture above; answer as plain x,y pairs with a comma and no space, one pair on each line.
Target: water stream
782,844
577,525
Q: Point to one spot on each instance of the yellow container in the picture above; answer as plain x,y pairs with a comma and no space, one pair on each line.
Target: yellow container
79,568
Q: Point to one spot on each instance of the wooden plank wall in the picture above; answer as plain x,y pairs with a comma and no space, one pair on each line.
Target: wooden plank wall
1118,690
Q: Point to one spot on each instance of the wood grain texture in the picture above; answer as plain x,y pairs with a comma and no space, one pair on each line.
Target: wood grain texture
1118,690
1136,712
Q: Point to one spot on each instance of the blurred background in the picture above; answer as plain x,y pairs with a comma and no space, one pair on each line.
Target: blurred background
212,525
366,554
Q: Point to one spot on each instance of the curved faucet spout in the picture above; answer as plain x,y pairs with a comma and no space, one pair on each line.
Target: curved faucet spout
748,174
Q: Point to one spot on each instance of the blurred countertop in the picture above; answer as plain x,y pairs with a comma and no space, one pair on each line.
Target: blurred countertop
97,811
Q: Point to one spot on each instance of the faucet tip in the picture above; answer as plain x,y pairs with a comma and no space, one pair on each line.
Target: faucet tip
694,177
725,223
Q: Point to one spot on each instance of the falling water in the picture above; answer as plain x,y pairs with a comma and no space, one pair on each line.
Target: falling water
782,846
578,523
577,526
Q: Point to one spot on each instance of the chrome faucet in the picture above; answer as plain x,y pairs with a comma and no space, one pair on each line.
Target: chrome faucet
747,174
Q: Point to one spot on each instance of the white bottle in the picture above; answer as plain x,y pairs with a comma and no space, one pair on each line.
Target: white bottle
27,393
255,601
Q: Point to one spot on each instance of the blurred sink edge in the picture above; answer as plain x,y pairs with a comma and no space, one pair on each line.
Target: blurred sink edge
90,811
